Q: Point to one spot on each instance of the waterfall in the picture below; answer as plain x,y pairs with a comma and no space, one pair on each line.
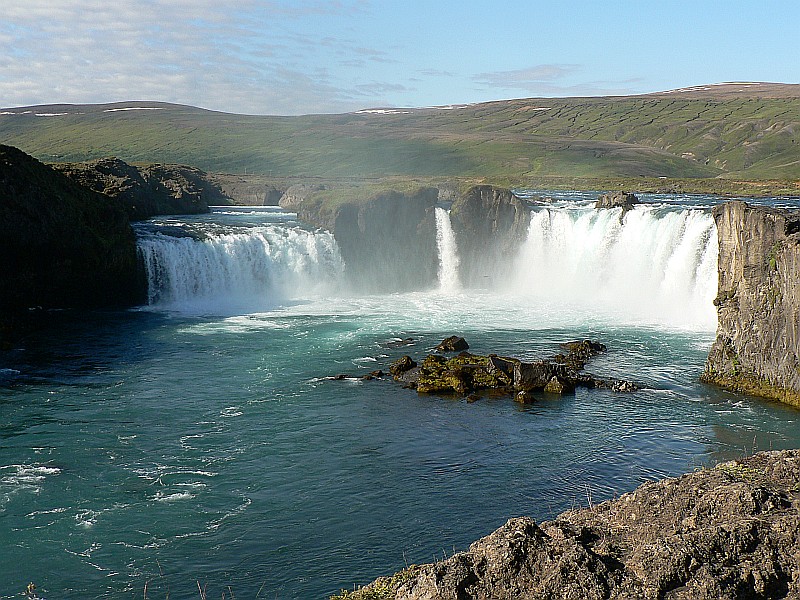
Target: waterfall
448,252
238,269
658,266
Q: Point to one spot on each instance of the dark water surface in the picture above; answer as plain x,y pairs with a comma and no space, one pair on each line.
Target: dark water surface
152,450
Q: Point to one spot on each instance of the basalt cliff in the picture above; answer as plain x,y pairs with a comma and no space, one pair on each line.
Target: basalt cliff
388,238
489,224
62,245
65,234
148,190
758,304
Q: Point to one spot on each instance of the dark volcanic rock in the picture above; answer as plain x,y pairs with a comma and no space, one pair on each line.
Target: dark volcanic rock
732,531
623,200
467,373
757,349
401,365
452,344
387,240
148,190
489,224
577,353
61,244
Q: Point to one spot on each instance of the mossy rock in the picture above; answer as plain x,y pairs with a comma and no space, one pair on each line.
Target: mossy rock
460,374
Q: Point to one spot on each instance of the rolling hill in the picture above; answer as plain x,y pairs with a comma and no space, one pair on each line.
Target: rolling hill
739,131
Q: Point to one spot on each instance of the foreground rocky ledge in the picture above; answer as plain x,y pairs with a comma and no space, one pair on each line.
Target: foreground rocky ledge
728,532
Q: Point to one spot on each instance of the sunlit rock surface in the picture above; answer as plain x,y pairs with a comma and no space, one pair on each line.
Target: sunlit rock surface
148,190
758,304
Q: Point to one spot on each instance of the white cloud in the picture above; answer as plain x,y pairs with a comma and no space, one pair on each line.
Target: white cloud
552,80
222,54
530,78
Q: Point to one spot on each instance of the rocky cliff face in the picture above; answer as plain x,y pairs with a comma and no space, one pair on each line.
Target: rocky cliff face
294,196
728,532
148,190
249,190
757,348
61,245
387,241
489,224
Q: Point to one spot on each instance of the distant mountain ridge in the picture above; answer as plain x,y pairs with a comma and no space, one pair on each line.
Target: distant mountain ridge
745,130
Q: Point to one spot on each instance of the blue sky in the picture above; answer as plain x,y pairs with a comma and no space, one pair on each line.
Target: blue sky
308,56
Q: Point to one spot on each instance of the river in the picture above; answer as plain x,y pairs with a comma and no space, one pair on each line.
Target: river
198,443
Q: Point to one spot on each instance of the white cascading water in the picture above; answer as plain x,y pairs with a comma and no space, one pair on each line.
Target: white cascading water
448,252
250,269
659,267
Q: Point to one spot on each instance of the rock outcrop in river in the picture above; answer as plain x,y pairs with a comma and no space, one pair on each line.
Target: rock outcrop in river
469,373
758,335
489,224
732,531
148,190
387,239
61,244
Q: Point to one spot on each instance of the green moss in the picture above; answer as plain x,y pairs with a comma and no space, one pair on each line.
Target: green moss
460,374
383,588
740,472
744,383
772,257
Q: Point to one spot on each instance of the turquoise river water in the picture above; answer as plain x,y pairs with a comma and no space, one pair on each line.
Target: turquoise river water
195,443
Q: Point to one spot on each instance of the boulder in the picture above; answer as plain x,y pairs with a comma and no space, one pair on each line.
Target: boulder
525,397
532,376
401,365
452,344
461,374
623,200
556,386
578,352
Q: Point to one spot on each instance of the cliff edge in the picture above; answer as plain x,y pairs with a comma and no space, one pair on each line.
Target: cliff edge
758,304
148,190
61,245
490,224
732,531
387,238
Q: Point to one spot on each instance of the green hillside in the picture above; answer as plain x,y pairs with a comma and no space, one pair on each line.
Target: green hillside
745,131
